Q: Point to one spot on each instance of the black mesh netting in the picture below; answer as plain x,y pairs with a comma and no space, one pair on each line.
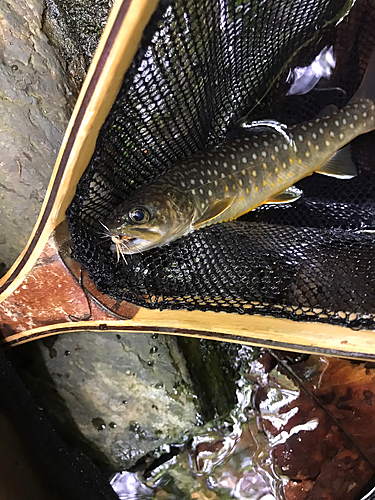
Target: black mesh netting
202,66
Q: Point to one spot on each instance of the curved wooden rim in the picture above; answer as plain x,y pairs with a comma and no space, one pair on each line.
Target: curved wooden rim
116,50
229,327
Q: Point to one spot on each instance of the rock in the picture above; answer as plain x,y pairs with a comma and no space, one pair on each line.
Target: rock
120,395
74,28
33,115
215,368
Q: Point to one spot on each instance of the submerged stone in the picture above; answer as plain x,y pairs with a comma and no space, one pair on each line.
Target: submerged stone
106,395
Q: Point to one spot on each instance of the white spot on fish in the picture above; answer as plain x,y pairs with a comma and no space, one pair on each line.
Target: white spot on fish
276,149
274,136
244,159
303,127
193,191
365,115
216,183
240,182
364,106
234,167
347,113
208,171
265,143
300,138
209,162
192,181
307,154
225,164
314,136
332,134
285,146
202,162
337,123
351,125
310,124
325,124
264,154
256,144
341,135
344,121
202,205
321,131
356,105
222,175
209,192
233,156
254,173
216,163
327,143
240,150
355,117
183,184
201,181
201,191
215,172
254,156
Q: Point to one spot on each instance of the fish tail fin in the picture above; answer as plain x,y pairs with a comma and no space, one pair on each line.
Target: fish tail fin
367,88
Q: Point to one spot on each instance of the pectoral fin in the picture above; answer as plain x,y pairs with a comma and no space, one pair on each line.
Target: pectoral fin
214,210
328,110
288,196
340,165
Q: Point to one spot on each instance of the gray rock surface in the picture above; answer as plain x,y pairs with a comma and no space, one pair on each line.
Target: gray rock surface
74,28
45,49
33,116
121,396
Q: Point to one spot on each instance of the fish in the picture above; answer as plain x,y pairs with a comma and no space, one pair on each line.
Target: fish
258,166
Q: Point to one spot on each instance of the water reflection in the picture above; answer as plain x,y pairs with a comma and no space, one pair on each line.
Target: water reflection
232,458
129,487
306,78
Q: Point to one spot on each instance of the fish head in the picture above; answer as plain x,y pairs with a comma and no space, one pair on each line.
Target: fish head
151,217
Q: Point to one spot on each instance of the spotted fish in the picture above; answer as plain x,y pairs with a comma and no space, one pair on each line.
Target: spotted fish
228,181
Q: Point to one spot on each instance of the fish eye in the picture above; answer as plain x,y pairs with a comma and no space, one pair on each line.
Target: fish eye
139,215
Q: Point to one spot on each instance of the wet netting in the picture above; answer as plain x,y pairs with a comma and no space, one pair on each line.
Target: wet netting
202,66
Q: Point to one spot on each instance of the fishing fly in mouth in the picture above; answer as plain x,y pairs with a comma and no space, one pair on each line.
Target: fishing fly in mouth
260,166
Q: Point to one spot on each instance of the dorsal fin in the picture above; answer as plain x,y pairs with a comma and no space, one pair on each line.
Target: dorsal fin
340,165
214,210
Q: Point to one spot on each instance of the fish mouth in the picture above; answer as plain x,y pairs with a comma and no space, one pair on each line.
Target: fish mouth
135,244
